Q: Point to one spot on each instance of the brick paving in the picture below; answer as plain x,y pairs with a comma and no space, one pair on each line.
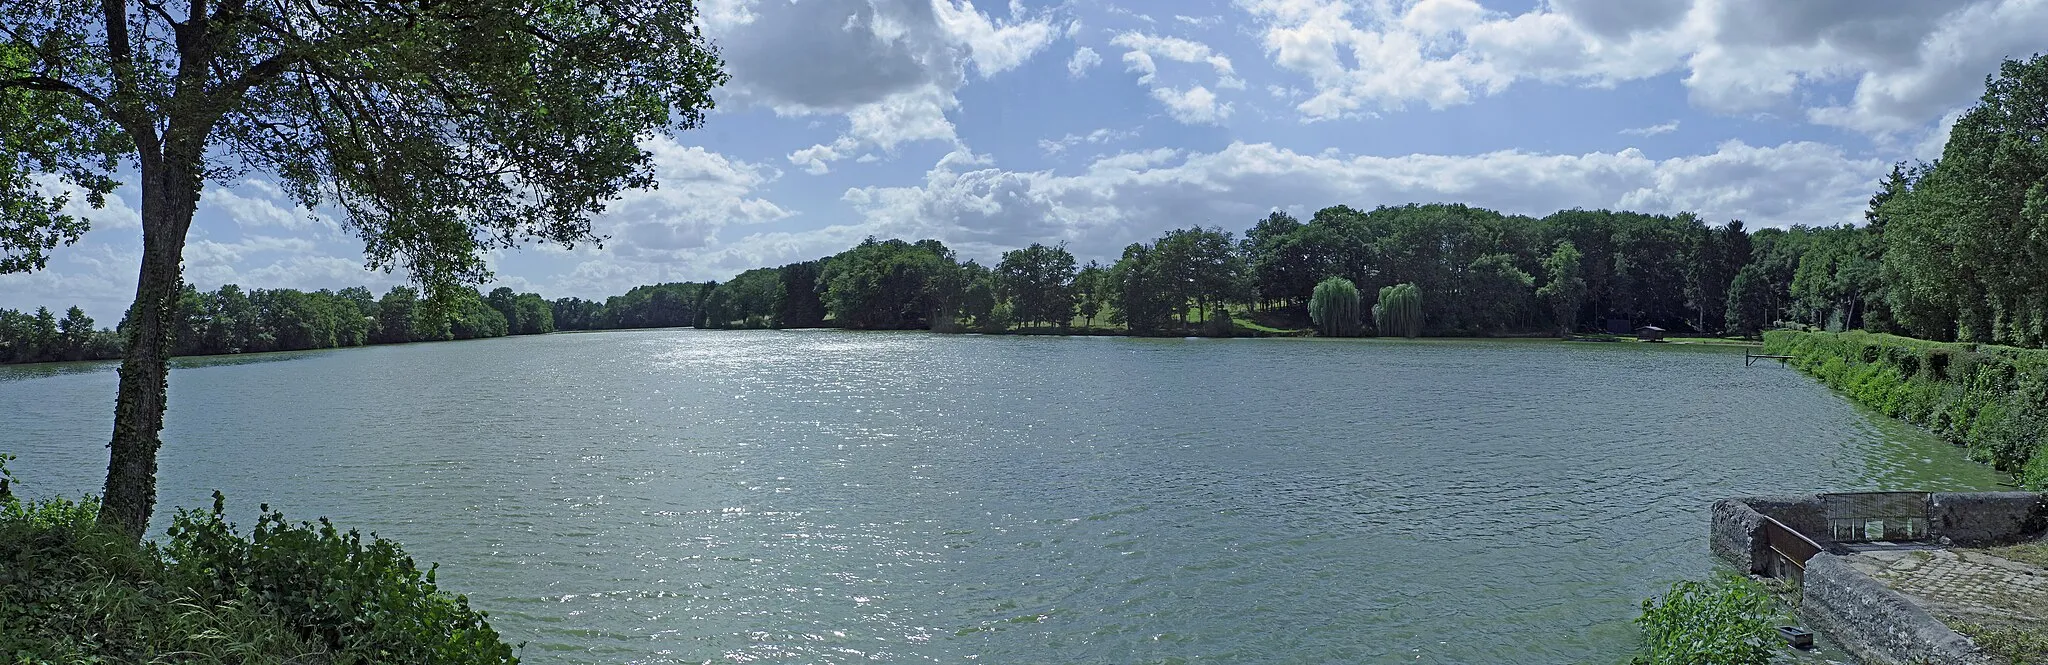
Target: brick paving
1965,585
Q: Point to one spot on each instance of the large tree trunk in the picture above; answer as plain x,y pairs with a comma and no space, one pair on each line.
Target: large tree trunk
170,192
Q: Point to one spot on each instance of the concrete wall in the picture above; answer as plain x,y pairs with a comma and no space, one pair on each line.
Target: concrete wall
1877,624
1736,533
1987,518
1874,622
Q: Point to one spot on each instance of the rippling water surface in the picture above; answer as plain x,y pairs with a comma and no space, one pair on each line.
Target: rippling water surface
803,497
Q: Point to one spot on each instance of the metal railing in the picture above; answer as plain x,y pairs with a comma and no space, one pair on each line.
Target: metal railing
1788,550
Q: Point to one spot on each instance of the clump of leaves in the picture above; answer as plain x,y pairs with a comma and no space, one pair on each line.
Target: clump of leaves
1729,621
73,592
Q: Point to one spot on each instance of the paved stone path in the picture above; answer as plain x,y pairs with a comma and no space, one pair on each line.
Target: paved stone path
1962,584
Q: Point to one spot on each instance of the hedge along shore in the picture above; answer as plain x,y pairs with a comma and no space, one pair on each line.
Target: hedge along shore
1990,399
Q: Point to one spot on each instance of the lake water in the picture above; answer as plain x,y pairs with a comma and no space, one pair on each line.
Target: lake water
682,496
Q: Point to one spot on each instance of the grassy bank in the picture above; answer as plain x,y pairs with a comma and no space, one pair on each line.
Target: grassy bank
1992,399
205,593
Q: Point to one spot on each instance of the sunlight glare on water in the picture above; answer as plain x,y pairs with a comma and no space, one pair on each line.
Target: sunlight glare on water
683,496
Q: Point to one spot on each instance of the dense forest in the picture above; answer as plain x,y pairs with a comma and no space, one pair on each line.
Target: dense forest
1952,250
229,320
1472,272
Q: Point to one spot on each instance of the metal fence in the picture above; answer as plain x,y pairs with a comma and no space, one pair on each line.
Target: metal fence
1862,517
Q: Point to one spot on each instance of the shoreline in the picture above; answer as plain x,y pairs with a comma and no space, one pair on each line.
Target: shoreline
1070,332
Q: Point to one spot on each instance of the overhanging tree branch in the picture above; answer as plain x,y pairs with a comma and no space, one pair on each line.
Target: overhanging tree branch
48,84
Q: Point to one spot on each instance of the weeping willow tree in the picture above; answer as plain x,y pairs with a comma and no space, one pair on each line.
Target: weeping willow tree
1334,308
1399,311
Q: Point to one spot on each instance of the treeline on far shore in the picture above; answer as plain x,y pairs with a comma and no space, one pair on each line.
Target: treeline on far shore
1462,271
229,320
1949,252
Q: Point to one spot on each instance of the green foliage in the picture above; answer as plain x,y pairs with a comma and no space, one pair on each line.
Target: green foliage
667,305
1399,311
1196,268
1142,289
797,304
1564,289
42,337
747,301
1091,292
1992,399
892,284
1727,622
1963,235
71,592
1038,283
998,319
525,313
1218,323
1749,301
229,320
1334,308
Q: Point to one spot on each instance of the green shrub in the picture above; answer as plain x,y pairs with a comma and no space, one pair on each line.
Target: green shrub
71,593
1727,622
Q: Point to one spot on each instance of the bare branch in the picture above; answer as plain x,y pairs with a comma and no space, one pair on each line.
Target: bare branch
158,8
262,73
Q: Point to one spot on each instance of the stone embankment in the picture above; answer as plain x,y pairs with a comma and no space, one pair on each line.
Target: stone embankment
1883,574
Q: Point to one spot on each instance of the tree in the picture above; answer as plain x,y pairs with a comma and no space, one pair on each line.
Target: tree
1145,302
1038,281
1198,265
1500,294
796,297
1399,311
890,284
1090,289
1964,236
1749,301
746,301
507,304
535,316
1564,289
398,315
75,332
439,130
1334,308
1272,249
979,299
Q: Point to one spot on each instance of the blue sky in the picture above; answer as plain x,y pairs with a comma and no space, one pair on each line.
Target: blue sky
993,125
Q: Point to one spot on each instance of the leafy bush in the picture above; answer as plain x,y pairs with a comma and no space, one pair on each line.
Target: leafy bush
1993,399
70,593
1728,622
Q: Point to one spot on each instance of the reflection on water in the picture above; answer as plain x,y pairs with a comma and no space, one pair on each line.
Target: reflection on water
42,370
820,496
